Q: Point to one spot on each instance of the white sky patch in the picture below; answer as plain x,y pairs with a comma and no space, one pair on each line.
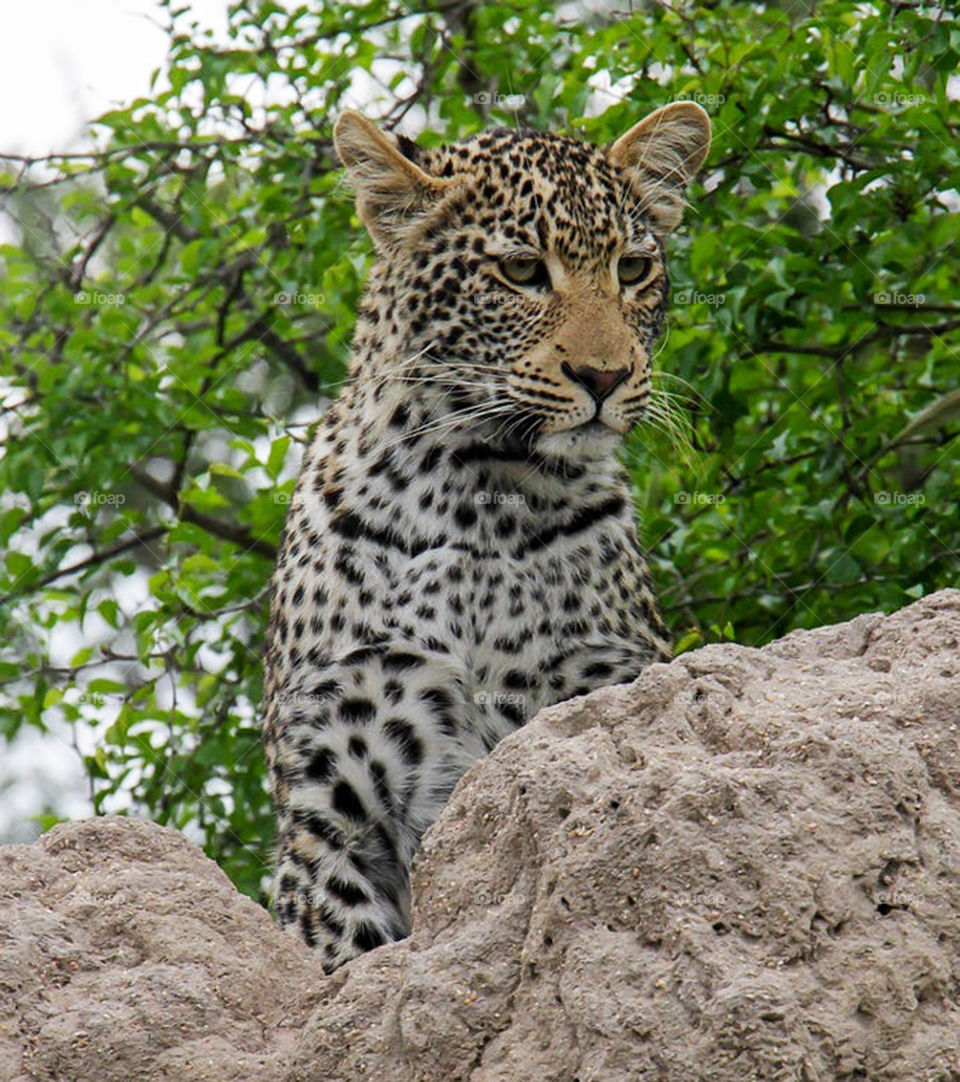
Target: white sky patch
64,62
605,92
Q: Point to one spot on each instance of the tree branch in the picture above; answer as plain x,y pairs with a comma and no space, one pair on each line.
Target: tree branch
227,531
260,331
142,537
170,220
884,332
80,268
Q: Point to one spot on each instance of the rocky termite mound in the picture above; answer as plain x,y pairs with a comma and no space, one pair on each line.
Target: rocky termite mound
745,865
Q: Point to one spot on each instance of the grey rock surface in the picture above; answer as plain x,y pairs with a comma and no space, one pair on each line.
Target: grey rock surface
125,954
745,865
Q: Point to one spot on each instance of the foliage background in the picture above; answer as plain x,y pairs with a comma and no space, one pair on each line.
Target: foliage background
180,302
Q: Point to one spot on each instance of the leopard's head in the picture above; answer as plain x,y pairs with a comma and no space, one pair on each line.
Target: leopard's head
520,283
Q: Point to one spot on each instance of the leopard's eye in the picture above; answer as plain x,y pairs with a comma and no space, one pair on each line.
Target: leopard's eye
525,271
634,268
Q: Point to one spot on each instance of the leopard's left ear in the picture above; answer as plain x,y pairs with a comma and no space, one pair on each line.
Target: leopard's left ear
393,192
661,155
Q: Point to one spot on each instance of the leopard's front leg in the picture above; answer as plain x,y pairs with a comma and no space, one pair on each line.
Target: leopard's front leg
363,756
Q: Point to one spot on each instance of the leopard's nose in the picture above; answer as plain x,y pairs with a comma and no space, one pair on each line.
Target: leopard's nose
599,382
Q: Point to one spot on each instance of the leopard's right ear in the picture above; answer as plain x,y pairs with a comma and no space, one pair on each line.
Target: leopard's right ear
393,193
660,156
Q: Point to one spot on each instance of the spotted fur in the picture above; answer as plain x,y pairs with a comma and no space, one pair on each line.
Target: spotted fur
460,550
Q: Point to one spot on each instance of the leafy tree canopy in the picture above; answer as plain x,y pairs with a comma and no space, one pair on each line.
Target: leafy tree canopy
179,302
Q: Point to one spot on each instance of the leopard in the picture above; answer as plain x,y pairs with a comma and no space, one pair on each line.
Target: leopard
461,547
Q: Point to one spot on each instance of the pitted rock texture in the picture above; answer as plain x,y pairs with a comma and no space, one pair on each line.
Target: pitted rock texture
744,866
125,954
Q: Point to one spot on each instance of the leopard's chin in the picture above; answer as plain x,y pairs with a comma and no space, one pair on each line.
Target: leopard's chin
592,440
